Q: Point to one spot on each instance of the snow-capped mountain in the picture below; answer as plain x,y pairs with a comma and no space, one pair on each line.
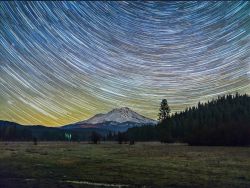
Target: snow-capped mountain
118,119
119,115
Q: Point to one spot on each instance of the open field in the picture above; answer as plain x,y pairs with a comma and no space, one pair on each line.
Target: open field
60,164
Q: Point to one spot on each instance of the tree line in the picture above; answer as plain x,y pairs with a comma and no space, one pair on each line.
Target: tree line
222,121
13,132
10,131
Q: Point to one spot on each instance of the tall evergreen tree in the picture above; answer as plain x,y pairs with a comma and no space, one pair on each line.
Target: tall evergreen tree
164,110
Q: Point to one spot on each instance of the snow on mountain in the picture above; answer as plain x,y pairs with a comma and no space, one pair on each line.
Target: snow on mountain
119,115
117,119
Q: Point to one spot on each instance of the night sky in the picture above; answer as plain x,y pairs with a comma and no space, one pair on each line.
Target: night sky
62,62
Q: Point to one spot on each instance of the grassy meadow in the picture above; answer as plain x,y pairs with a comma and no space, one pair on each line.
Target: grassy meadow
62,164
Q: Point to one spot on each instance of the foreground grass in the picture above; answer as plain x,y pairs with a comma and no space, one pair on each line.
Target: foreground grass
60,164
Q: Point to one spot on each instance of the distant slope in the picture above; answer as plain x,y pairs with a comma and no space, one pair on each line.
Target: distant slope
11,131
9,123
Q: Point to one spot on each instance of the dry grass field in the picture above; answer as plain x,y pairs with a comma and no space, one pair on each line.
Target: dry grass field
61,164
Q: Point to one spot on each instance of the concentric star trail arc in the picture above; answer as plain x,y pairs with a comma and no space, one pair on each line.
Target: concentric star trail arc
62,62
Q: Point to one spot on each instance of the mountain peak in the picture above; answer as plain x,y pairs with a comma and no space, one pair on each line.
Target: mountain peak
122,109
119,115
117,119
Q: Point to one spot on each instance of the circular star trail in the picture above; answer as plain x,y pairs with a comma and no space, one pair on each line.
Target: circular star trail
62,62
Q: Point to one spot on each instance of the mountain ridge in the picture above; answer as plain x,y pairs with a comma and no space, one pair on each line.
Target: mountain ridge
116,119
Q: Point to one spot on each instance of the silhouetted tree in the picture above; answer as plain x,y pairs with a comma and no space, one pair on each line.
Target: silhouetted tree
122,137
164,110
95,137
35,141
119,137
109,136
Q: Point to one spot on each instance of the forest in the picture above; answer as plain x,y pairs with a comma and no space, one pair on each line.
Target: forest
222,121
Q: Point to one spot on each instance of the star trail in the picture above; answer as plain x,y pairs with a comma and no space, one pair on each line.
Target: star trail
62,62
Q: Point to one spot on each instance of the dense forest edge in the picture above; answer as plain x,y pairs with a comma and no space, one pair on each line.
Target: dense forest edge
222,121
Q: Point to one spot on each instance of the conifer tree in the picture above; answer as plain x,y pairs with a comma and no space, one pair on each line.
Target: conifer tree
164,110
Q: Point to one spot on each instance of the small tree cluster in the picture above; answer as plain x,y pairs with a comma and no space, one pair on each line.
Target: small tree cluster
95,137
122,137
